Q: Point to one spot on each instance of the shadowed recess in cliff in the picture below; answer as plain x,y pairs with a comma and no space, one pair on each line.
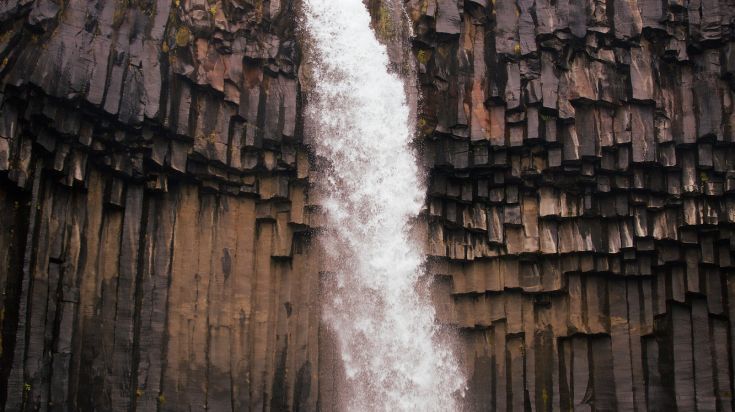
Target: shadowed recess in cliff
393,354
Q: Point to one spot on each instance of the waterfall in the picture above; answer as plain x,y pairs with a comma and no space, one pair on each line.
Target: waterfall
384,322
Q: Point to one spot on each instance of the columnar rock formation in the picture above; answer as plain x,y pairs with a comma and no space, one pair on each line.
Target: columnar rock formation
154,189
581,203
158,249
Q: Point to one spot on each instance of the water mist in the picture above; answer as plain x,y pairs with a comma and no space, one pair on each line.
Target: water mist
390,345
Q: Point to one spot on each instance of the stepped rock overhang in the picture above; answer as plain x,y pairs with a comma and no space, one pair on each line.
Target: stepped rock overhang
159,248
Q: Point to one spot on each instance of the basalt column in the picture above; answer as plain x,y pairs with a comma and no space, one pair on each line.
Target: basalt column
155,245
580,210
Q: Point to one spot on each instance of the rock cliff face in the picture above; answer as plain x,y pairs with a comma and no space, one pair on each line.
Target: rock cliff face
158,246
155,189
581,200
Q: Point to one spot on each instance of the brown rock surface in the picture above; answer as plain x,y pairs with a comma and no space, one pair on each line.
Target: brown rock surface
599,278
158,250
157,253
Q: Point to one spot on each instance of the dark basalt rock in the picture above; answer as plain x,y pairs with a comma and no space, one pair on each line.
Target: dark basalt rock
606,237
139,142
158,250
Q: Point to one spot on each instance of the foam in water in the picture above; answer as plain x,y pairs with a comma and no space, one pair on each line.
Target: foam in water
393,355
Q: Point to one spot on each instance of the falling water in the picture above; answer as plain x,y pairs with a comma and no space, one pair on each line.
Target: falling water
393,355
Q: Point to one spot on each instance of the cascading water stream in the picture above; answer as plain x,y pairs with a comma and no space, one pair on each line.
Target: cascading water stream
391,347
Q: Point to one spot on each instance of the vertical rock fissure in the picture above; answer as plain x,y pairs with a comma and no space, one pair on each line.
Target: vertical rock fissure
393,352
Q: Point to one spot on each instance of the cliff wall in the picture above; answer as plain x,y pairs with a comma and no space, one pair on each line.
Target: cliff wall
154,185
159,247
580,208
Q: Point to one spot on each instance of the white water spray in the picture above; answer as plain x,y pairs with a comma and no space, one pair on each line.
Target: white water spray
390,345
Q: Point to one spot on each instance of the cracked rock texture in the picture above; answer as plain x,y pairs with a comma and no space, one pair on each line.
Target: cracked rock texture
581,207
154,185
158,247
